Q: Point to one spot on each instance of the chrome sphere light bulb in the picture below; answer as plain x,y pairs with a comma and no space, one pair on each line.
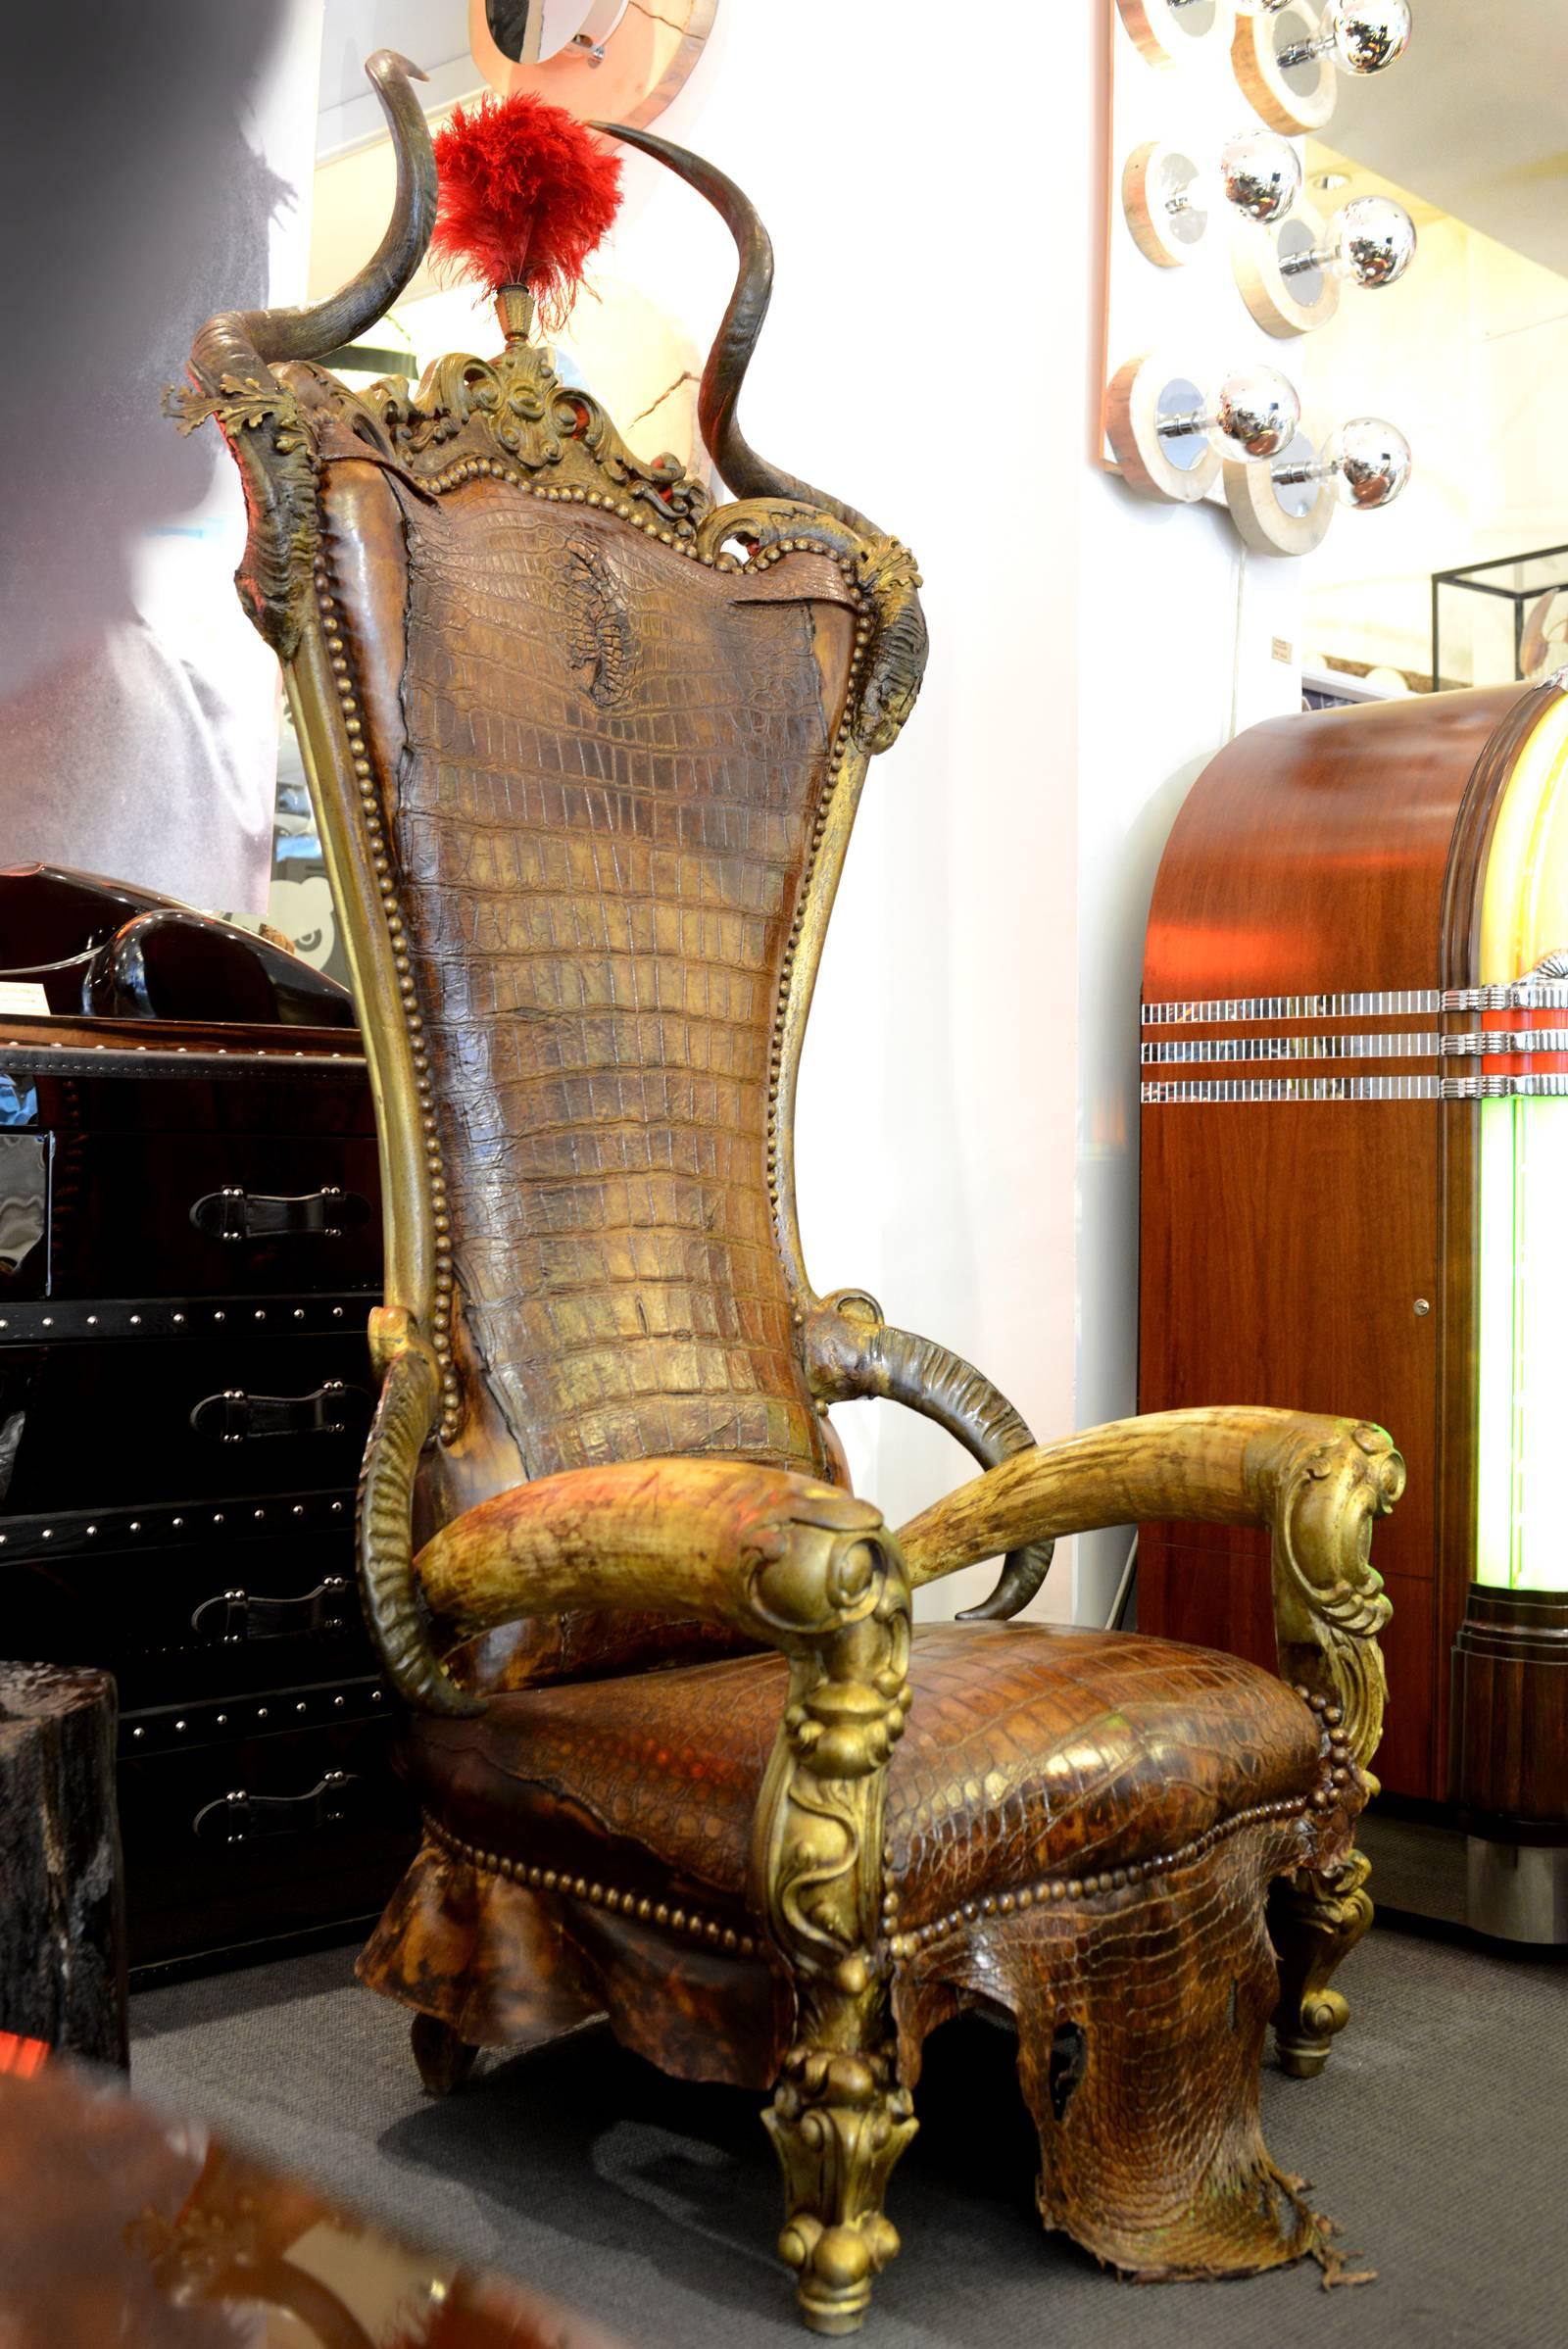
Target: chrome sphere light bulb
1376,241
1371,461
1362,36
1367,459
1373,242
1260,174
1255,413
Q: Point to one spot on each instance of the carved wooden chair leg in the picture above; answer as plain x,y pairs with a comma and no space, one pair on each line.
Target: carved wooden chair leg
1315,1920
839,2122
444,2060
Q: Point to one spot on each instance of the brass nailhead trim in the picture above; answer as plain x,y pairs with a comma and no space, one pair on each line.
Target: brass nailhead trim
471,468
381,866
839,752
1111,1879
599,1896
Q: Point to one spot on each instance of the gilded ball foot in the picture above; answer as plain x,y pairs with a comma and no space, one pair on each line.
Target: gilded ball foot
1304,2052
1302,2059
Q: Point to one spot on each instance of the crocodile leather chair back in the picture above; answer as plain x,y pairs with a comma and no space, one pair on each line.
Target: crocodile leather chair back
605,762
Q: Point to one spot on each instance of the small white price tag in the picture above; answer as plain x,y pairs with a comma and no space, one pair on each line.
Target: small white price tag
22,995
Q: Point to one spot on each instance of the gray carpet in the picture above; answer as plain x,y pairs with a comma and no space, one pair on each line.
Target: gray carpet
1436,2137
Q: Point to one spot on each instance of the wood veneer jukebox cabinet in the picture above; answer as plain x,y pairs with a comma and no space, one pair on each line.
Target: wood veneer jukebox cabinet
1355,1164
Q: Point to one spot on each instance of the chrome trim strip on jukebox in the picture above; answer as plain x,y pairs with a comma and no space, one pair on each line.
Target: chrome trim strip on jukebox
1295,1089
1423,1045
1521,994
1482,1044
1505,1089
1475,1044
1354,1089
1218,1011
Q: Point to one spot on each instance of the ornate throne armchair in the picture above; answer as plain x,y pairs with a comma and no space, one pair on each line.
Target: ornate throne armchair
586,754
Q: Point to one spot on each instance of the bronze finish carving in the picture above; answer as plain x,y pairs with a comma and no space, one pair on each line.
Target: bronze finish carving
586,779
1316,1918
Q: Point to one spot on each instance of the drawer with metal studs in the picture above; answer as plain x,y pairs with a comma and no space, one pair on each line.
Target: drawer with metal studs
129,1169
208,1401
254,1214
245,1822
191,1600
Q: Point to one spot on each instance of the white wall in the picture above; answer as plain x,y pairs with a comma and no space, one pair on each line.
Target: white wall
913,363
968,1113
1467,353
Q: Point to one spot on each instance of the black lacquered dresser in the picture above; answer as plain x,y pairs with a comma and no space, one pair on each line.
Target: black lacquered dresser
189,1247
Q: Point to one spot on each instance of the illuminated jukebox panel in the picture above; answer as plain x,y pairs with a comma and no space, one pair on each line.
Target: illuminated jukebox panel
1354,1141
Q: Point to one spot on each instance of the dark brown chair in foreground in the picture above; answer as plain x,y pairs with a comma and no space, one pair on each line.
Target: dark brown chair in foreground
585,778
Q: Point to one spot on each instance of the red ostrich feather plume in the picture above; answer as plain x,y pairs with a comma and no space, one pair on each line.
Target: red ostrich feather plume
526,194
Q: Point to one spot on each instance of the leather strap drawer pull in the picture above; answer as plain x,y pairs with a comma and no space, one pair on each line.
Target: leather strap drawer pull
235,1417
238,1215
234,1615
234,1818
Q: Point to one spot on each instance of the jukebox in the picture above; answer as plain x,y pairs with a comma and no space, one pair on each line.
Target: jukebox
1354,1135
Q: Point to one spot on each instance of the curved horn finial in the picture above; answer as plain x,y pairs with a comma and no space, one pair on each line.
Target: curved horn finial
323,327
748,475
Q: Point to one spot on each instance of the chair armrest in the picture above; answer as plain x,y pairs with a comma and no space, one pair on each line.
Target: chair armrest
1317,1483
815,1574
796,1564
851,1351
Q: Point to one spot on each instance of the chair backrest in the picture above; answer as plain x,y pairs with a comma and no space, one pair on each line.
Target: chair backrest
585,777
598,762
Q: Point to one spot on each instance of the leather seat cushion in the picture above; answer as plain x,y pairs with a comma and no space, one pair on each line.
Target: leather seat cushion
1032,1751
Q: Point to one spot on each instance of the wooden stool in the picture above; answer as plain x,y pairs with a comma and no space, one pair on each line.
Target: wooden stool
61,1890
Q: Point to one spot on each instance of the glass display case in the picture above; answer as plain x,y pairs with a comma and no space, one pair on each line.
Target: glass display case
1494,622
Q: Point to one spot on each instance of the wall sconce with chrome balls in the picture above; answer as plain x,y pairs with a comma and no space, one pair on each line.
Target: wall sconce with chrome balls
1359,36
1372,241
1167,32
1285,507
1169,200
1354,36
1291,282
1169,438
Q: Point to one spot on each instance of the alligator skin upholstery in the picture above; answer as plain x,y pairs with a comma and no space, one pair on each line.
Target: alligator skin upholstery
587,1852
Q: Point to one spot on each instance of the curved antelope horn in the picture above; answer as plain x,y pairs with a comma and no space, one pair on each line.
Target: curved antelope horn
748,475
237,335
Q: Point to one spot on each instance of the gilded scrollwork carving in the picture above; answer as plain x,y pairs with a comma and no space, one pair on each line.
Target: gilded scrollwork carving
840,2118
515,410
1316,1918
1329,1602
883,570
260,419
